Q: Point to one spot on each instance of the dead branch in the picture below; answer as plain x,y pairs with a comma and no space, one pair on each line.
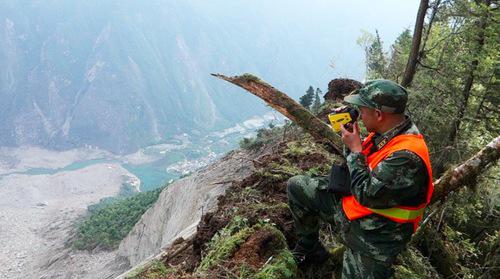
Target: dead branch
467,172
415,45
289,108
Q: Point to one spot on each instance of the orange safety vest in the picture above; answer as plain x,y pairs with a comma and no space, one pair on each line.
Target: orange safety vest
401,214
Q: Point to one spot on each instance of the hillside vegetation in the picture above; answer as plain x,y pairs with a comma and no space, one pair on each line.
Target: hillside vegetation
110,220
250,234
453,100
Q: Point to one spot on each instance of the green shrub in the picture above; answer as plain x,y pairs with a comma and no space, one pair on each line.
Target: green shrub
283,266
225,242
108,223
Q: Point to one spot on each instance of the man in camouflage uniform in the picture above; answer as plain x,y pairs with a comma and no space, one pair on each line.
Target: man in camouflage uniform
374,241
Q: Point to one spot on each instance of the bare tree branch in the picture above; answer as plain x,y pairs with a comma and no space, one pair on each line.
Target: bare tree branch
289,108
435,8
415,45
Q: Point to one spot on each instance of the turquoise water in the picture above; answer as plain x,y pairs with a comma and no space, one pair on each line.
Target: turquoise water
71,167
151,177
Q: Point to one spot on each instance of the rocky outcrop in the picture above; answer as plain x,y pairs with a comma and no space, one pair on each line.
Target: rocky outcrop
340,87
181,205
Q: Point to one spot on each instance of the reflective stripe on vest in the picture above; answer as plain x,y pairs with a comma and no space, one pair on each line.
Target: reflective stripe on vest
401,214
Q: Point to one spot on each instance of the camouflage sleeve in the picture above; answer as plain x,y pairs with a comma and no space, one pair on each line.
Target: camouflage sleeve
396,180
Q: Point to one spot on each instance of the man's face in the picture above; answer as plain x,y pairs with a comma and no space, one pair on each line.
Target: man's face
370,118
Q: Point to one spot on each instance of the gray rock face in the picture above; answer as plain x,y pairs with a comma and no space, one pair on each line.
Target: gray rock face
181,205
124,74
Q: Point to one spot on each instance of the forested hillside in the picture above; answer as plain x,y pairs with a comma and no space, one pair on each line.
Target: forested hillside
450,64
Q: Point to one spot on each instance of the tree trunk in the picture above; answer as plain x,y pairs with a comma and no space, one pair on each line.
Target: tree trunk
435,8
466,173
411,65
289,108
469,80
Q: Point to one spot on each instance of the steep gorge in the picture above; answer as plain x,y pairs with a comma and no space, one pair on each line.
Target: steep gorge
121,75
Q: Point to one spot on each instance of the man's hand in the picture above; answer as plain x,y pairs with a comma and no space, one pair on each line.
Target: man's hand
351,139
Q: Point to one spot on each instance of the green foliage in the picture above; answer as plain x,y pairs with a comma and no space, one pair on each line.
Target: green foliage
381,65
281,266
126,190
297,148
280,171
376,60
250,143
317,171
307,99
316,106
245,271
441,100
413,265
107,224
400,51
471,226
462,46
227,241
250,77
455,88
224,243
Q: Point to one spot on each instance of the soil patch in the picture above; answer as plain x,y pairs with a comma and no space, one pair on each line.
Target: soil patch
256,250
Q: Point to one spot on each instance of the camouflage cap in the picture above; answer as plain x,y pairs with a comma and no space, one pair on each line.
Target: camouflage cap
381,94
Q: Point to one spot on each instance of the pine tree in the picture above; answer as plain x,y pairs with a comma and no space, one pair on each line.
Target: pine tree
317,101
307,99
375,59
400,51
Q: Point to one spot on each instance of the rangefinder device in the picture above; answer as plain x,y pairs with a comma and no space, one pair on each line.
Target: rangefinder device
345,116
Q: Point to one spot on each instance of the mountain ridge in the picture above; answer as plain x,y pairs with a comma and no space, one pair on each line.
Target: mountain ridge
122,75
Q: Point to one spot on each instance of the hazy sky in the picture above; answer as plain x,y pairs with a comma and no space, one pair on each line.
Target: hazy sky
150,61
330,27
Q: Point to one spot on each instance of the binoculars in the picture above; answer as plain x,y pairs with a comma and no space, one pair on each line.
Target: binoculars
344,116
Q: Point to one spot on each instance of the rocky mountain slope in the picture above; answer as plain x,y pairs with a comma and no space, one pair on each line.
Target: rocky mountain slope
180,207
125,74
178,211
251,231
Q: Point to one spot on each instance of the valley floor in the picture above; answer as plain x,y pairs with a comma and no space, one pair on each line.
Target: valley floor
37,215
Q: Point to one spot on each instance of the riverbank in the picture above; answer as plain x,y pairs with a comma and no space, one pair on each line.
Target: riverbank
37,214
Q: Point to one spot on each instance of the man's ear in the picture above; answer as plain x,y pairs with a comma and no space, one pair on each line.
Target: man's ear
380,115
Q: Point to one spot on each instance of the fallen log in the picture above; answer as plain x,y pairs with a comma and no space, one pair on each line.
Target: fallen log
467,172
280,101
452,180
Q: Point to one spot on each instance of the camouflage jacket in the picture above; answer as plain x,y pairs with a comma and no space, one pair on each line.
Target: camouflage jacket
400,179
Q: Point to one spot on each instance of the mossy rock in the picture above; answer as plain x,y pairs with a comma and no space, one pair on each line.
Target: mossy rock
413,265
259,251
